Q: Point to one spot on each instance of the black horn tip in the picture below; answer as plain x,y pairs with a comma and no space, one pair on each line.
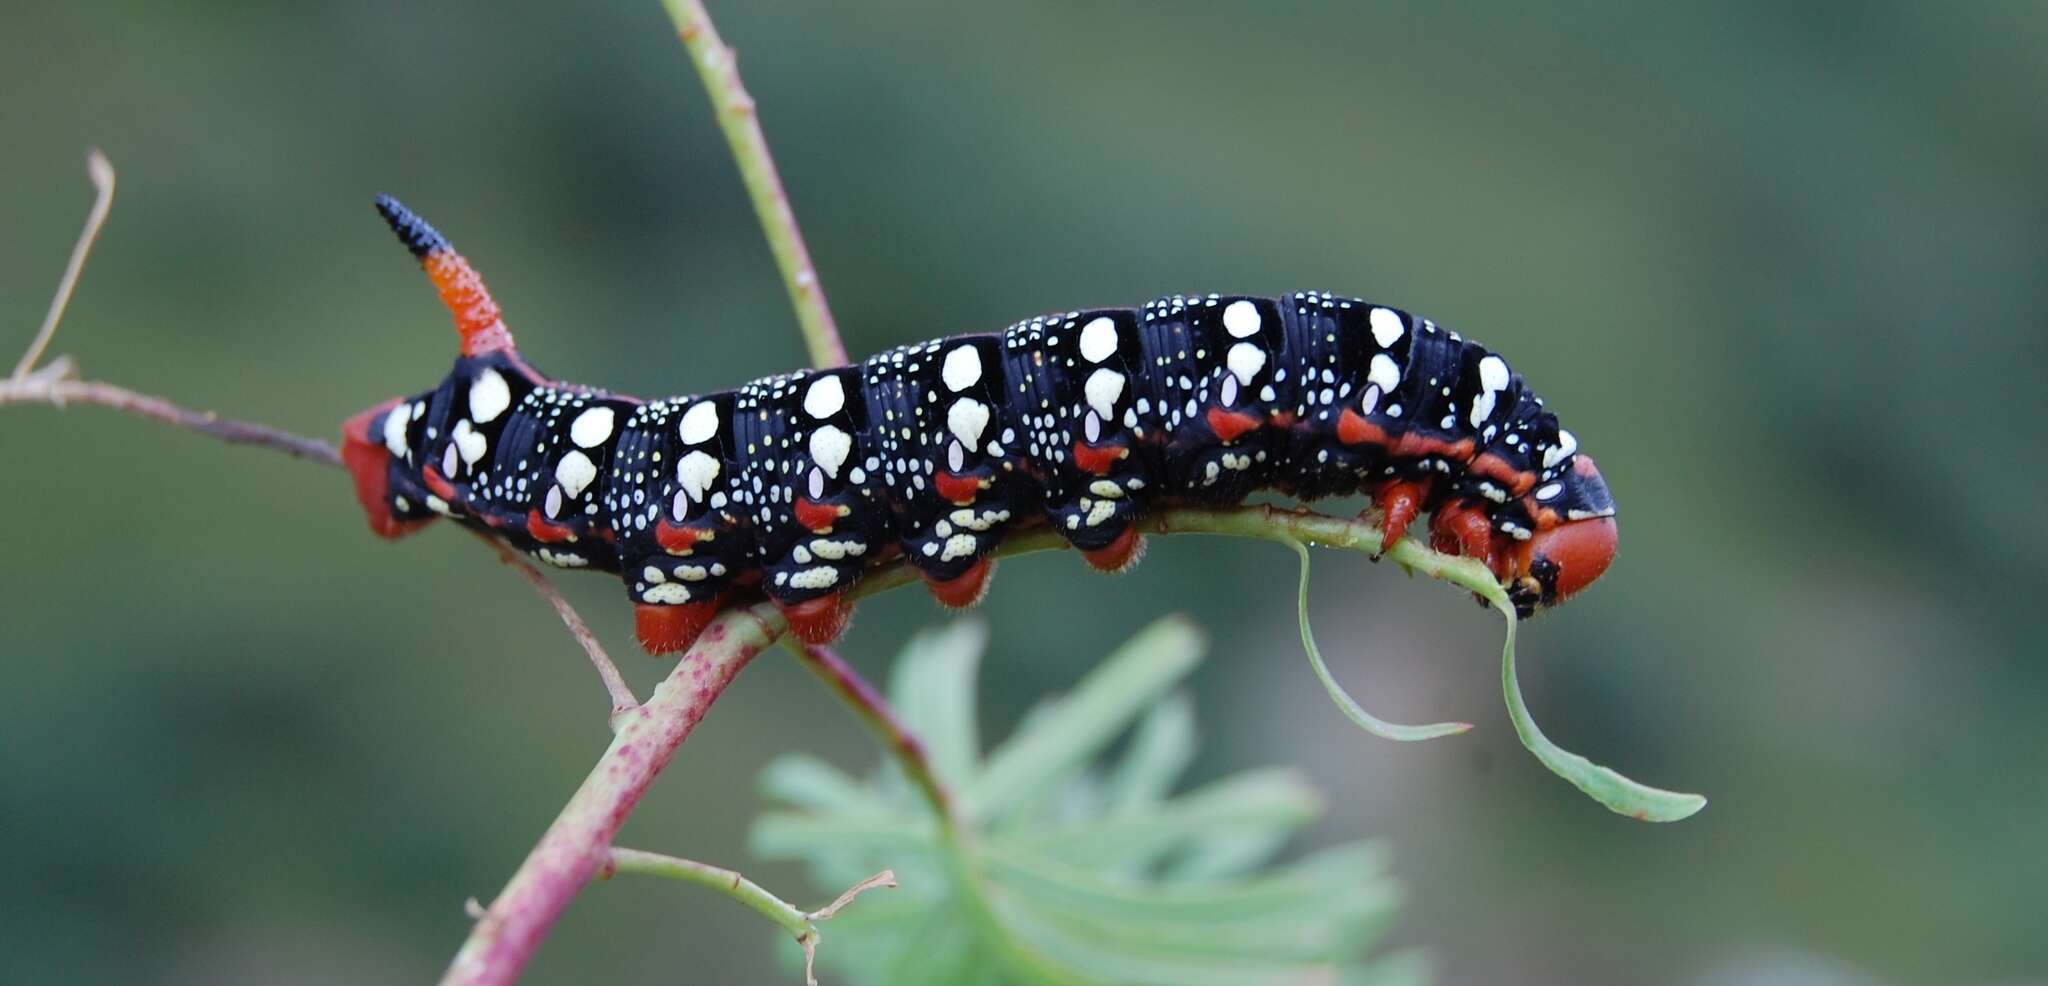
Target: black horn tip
413,231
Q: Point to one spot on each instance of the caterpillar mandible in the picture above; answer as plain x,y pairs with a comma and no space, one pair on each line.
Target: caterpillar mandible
793,485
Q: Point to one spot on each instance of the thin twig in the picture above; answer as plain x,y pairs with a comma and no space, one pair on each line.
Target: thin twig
881,719
41,388
577,845
623,699
801,925
718,67
102,173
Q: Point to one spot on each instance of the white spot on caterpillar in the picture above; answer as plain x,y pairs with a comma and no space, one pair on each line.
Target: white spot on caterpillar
825,397
1098,340
552,506
966,517
1227,394
1386,327
1241,319
696,472
1493,373
815,578
1493,378
668,593
394,432
592,427
967,418
1245,361
1383,372
1566,445
959,546
654,575
836,550
962,368
449,462
700,423
1104,386
1105,488
563,559
1549,491
575,472
681,507
829,449
471,441
1101,511
1091,428
488,396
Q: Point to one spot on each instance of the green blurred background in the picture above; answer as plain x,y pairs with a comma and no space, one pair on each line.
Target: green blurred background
1779,266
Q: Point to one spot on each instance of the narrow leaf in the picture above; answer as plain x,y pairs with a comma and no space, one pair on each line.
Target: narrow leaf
1638,801
1351,709
932,688
808,782
1275,799
1066,736
1160,751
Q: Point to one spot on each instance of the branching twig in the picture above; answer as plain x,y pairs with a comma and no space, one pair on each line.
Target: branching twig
881,719
623,699
575,847
718,67
102,174
44,388
801,925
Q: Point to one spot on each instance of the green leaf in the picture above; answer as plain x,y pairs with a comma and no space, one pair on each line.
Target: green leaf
932,688
808,782
1060,741
1351,709
1073,873
1274,798
1159,753
1621,795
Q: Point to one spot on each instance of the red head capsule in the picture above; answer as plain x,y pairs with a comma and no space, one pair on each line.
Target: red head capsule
1569,557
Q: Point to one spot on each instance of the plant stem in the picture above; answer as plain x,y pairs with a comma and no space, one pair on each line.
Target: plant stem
718,66
576,845
623,699
801,925
46,388
881,719
101,171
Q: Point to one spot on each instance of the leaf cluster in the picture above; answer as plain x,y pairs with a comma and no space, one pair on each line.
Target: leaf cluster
1060,864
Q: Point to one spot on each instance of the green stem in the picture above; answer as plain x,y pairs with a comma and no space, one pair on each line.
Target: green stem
718,67
1620,794
1351,709
801,925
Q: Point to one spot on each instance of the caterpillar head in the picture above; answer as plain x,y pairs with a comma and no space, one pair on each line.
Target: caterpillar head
1557,563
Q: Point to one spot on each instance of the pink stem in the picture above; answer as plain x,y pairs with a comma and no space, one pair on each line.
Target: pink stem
881,718
577,845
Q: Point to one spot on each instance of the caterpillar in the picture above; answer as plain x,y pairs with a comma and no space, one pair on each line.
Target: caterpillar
791,486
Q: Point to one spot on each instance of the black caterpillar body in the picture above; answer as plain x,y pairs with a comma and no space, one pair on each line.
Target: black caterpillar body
1084,420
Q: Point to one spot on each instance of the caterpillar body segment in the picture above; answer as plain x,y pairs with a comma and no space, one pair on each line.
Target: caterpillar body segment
792,486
